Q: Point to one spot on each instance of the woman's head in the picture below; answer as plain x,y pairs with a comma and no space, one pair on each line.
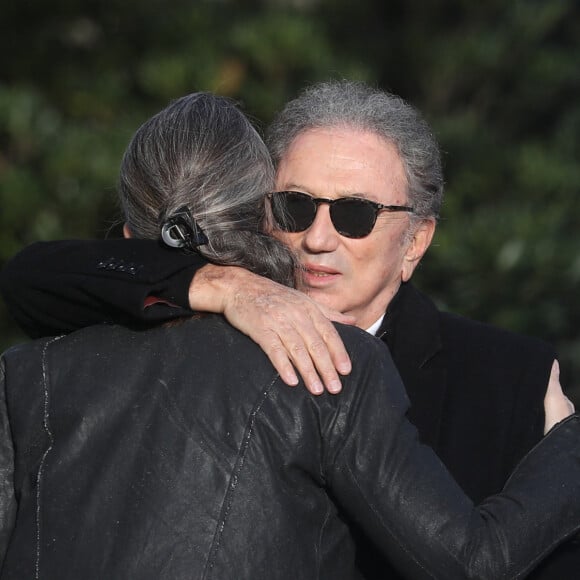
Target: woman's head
202,153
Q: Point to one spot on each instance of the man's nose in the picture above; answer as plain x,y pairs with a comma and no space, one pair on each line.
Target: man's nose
321,235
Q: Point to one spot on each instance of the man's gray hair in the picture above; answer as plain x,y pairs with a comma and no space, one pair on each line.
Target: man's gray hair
202,152
356,105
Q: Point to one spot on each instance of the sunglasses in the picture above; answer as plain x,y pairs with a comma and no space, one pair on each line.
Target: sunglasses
351,217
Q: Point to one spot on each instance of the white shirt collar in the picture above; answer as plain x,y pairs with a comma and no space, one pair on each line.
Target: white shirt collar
373,328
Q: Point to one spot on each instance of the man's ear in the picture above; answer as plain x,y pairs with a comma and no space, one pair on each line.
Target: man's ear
417,247
126,231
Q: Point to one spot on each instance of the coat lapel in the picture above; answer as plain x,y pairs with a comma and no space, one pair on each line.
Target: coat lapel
412,332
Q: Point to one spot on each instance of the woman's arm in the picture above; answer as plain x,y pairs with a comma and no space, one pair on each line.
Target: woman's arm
56,287
401,495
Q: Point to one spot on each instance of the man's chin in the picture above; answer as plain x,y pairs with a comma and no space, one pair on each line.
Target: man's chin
324,297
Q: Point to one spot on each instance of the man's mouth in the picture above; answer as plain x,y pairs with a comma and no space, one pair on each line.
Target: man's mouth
318,274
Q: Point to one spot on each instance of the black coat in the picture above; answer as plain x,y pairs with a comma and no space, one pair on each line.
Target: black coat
177,453
476,391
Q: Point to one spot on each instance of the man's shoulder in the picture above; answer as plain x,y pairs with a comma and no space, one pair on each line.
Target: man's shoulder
420,318
465,334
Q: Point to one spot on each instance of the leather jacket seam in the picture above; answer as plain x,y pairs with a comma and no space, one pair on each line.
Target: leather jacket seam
48,431
234,479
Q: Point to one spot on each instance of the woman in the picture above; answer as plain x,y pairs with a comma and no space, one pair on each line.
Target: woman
176,453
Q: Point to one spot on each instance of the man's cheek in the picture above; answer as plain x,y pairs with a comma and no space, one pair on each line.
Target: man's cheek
291,240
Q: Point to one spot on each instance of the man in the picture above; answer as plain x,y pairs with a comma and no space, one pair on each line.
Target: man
477,392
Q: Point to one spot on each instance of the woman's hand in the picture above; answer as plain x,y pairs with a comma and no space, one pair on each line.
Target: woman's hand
557,406
292,329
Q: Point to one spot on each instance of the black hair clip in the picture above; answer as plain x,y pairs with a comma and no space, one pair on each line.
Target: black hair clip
182,231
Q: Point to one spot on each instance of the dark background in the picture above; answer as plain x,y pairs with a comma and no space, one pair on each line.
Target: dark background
499,82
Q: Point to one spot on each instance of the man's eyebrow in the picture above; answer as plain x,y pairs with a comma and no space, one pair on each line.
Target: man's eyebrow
304,189
358,195
294,187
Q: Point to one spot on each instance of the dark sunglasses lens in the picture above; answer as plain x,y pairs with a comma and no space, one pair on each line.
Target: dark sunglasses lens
293,212
353,218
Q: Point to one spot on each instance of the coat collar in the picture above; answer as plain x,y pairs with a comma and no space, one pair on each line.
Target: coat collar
411,329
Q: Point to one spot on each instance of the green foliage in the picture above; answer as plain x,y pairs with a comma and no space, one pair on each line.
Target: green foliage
497,80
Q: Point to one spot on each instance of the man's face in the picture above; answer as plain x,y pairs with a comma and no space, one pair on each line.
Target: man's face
355,276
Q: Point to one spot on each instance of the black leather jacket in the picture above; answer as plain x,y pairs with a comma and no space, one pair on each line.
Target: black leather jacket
126,467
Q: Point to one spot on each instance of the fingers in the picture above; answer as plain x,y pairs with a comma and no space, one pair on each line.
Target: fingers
290,327
556,405
318,357
290,357
312,343
331,343
313,360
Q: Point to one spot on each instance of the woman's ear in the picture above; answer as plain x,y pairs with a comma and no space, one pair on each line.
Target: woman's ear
126,231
